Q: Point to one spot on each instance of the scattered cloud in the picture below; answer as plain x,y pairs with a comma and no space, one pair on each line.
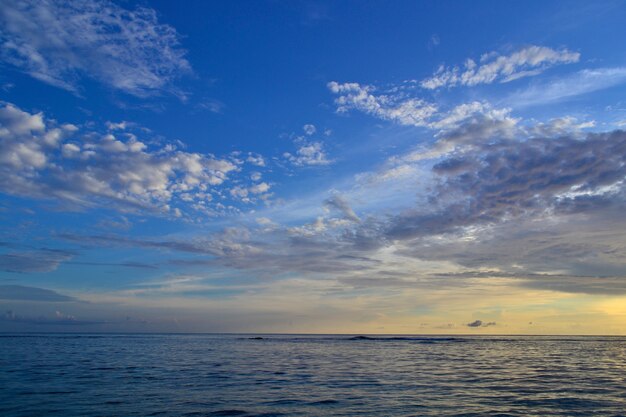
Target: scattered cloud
308,153
44,160
246,194
492,67
400,108
406,111
256,159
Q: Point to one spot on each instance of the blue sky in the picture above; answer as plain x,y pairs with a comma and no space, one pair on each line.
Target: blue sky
313,166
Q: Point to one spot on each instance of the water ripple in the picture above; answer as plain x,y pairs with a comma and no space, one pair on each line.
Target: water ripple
281,375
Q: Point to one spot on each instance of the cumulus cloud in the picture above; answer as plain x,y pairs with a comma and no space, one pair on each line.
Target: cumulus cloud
528,61
308,153
43,160
256,159
309,129
61,42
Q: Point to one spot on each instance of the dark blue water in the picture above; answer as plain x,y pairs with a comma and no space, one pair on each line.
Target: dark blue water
228,375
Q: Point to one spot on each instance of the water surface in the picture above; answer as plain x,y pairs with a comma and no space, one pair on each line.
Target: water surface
234,375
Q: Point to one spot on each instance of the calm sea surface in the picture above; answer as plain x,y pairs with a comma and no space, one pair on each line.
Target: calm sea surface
232,375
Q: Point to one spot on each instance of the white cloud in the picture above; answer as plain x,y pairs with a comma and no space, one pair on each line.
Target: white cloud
245,194
117,126
563,88
406,111
309,129
400,108
38,160
309,153
60,42
260,188
256,159
528,61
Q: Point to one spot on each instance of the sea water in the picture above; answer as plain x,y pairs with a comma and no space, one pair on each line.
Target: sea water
287,375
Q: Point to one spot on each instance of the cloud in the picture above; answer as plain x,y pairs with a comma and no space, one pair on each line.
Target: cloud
505,179
401,108
309,129
339,203
480,323
61,42
411,111
212,105
528,61
43,260
433,41
245,193
22,293
563,88
42,160
256,159
59,318
308,153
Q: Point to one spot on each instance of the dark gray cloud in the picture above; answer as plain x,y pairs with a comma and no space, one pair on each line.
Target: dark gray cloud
22,293
510,178
480,323
340,204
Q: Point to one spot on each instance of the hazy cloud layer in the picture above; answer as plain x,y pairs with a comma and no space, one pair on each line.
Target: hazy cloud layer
44,260
22,293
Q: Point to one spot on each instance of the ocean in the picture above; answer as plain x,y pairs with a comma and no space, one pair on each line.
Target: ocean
292,375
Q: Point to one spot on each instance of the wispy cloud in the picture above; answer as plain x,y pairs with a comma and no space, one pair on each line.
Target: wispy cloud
492,67
22,293
393,107
44,260
59,42
563,88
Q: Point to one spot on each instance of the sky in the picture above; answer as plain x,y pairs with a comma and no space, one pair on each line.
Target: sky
433,167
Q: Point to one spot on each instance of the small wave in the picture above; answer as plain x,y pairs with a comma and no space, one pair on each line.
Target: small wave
324,402
228,413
